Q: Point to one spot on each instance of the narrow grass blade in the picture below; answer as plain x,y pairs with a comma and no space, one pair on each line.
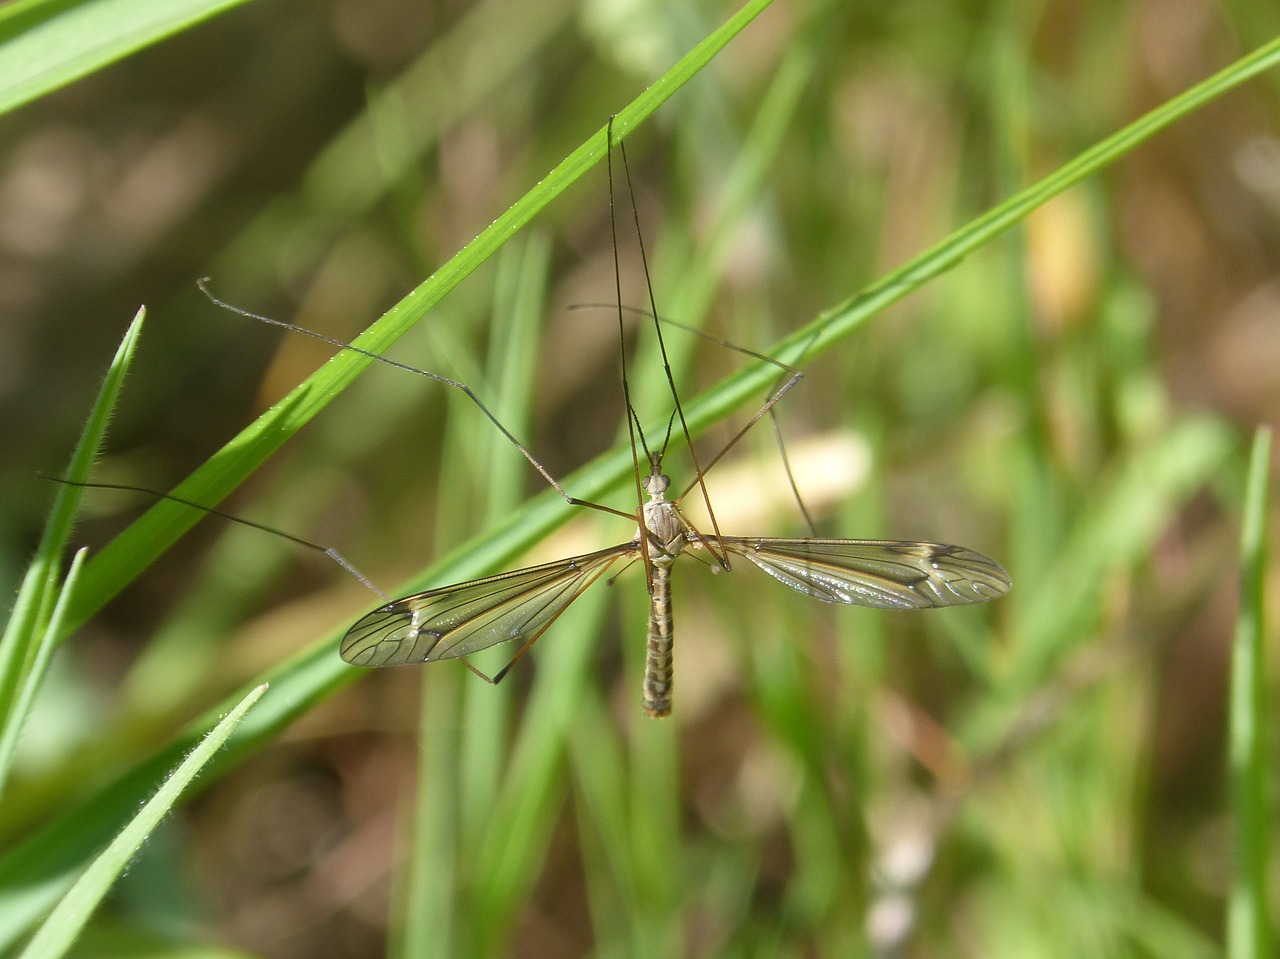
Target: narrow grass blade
60,930
532,791
39,869
1249,934
35,675
31,609
47,44
601,802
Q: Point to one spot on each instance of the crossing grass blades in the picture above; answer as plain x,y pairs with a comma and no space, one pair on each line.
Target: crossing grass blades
517,607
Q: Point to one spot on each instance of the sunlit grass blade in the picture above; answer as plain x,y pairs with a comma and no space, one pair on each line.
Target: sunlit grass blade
36,871
1249,931
60,930
32,608
46,44
602,803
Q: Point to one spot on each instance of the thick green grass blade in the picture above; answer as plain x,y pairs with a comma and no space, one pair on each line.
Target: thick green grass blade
60,930
31,609
530,794
46,44
1249,933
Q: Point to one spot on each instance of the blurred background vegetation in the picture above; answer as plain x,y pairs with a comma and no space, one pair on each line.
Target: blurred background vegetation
1045,776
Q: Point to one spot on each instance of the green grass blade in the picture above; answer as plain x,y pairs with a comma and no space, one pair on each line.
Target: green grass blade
59,931
533,788
47,44
430,888
1249,934
39,665
136,548
30,617
36,872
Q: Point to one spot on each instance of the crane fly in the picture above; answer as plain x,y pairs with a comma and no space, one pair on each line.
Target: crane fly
517,607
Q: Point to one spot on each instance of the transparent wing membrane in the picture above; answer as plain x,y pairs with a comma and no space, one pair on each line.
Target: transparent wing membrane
880,573
455,621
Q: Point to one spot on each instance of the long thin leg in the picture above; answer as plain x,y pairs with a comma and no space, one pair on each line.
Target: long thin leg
329,551
456,384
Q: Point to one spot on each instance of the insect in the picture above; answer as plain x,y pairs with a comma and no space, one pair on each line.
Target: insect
517,607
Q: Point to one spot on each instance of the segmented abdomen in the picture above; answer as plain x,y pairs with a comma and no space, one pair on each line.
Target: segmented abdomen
658,659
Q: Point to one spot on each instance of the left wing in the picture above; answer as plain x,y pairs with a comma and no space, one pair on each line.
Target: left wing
456,621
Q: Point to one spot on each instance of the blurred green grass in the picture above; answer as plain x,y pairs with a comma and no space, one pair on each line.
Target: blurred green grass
1046,776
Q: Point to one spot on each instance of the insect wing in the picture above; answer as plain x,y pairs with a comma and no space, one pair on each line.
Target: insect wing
882,573
458,620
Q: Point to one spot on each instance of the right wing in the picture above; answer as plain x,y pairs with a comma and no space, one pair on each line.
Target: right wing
882,573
